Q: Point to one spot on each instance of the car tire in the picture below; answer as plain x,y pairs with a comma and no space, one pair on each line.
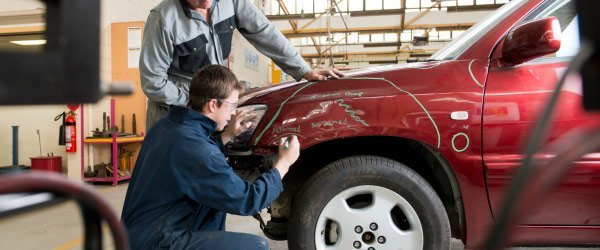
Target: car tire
368,202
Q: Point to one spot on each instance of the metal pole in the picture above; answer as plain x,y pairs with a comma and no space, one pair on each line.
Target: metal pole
15,145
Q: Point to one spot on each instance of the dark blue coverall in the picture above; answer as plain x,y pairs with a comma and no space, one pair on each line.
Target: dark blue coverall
182,187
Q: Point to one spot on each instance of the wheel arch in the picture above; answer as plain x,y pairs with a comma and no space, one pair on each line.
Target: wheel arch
427,163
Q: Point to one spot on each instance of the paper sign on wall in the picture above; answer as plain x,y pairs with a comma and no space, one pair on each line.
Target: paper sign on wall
251,60
134,46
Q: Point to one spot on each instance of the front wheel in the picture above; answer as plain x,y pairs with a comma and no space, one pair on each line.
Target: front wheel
368,202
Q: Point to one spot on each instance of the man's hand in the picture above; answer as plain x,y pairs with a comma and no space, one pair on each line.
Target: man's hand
237,125
322,74
289,151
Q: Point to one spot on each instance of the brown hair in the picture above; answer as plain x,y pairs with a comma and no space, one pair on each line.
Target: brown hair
209,82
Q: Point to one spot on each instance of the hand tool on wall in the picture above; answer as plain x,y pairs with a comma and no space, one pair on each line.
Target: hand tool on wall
133,125
123,124
108,128
37,131
103,122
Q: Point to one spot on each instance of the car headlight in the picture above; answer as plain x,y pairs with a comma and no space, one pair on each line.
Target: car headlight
255,115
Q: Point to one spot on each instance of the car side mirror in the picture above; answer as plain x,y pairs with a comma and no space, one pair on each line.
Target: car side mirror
531,40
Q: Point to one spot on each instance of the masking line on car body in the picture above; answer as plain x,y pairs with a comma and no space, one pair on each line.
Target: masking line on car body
473,76
454,145
353,78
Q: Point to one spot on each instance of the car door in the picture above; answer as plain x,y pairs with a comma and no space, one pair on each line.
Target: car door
514,97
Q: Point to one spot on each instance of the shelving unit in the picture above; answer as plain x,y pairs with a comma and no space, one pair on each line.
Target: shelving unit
114,141
125,37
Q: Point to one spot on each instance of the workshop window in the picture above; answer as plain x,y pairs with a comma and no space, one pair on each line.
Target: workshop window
320,6
342,5
339,38
374,5
418,32
297,41
377,38
456,33
390,37
433,35
355,5
291,6
446,4
322,40
412,5
391,4
405,36
353,38
306,7
426,4
465,2
444,35
480,2
363,38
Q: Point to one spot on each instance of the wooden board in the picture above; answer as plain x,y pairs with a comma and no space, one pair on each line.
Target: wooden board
121,72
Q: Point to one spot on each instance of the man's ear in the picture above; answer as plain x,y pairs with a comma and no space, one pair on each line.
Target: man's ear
210,106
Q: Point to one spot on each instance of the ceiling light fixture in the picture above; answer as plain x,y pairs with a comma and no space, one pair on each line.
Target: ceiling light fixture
29,42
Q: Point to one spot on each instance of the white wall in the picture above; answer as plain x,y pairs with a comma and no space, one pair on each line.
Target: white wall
257,75
29,119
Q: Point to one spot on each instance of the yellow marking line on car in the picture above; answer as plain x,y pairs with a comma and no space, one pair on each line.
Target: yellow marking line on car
279,111
353,78
473,76
422,107
466,146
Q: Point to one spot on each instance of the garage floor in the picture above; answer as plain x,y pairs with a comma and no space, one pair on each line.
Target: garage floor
59,227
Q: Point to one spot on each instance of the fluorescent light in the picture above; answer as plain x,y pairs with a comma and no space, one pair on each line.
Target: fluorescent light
29,42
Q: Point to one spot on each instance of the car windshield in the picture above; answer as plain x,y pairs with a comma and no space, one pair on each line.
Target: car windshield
464,41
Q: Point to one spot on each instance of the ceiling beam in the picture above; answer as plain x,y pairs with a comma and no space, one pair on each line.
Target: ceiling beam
374,53
369,30
381,44
384,44
483,7
474,7
286,17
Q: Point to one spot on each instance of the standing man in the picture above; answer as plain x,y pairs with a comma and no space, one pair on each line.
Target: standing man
182,186
181,36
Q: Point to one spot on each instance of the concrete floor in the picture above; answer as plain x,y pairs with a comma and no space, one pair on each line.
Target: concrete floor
59,227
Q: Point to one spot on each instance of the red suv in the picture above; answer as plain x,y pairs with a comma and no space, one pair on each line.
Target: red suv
408,156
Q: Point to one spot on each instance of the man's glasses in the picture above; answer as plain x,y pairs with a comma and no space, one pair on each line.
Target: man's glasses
233,105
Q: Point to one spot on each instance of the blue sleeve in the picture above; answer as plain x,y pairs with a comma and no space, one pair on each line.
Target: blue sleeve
214,183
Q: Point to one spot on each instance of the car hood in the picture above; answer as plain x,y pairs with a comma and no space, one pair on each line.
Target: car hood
254,96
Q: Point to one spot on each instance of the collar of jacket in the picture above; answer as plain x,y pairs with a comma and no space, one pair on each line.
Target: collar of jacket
187,116
186,9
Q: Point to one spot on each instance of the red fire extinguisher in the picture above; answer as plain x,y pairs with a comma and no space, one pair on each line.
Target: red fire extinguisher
71,133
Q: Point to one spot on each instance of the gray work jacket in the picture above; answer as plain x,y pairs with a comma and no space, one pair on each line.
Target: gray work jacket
177,41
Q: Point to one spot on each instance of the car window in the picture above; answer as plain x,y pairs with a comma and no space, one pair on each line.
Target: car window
566,14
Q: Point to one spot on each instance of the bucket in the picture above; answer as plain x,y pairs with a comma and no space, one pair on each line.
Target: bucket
46,163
